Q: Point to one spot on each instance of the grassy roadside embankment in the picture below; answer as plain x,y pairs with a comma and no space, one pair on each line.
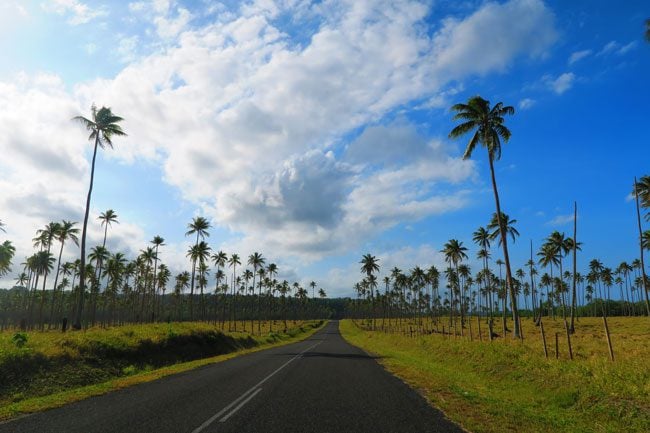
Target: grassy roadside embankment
508,385
52,369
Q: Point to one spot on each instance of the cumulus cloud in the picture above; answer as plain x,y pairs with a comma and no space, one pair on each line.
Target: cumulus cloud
252,127
76,11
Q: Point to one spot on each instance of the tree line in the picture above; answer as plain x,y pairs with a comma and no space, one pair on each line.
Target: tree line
109,288
417,293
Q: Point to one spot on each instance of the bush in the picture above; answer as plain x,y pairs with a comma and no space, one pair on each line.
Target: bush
19,339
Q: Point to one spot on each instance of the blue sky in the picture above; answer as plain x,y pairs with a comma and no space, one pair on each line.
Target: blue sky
317,132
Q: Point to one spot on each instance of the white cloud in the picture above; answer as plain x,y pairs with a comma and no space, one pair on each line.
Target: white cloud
78,12
578,55
614,47
560,84
560,220
526,103
341,280
250,127
127,48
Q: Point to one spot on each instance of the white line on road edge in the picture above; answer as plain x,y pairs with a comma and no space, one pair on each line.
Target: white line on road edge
225,418
243,396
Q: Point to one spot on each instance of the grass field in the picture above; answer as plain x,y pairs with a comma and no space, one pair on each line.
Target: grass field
508,385
49,369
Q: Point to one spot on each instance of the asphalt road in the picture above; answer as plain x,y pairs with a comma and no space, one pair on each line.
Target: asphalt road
321,384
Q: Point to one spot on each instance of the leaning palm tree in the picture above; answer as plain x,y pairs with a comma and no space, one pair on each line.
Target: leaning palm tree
7,251
103,125
488,124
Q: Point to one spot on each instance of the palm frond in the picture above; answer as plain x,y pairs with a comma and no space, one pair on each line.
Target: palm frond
471,146
462,129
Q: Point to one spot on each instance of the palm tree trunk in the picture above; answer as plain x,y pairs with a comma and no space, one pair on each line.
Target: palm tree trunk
56,279
575,275
643,276
82,270
506,257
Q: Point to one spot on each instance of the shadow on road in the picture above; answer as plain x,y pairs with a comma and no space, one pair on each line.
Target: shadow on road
338,355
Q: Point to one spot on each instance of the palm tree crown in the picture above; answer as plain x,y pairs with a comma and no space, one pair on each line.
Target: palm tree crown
488,123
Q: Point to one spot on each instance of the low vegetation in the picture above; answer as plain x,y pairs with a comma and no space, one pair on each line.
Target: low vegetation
508,385
47,369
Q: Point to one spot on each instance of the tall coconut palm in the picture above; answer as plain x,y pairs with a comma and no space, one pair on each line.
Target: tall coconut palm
44,264
370,265
103,125
158,242
199,227
257,261
220,259
197,253
66,231
495,231
642,193
45,237
488,124
233,262
107,219
454,252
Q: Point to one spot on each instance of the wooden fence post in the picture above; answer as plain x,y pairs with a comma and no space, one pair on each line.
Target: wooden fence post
541,325
568,339
609,340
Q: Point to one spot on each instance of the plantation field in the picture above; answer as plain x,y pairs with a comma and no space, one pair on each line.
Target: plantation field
47,369
508,385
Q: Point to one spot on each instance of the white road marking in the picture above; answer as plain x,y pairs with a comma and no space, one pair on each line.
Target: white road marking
225,418
255,388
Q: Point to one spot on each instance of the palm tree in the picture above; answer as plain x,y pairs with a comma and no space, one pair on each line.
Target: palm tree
494,230
488,123
66,231
198,226
642,193
102,126
197,253
220,258
370,265
107,219
158,242
257,261
454,252
233,262
44,264
7,251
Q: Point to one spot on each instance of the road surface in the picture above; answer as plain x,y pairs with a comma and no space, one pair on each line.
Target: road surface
319,385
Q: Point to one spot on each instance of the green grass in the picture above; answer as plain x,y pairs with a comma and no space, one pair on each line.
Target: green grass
509,386
52,369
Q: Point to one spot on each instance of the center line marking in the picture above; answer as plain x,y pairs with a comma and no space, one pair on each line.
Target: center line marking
225,418
255,388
